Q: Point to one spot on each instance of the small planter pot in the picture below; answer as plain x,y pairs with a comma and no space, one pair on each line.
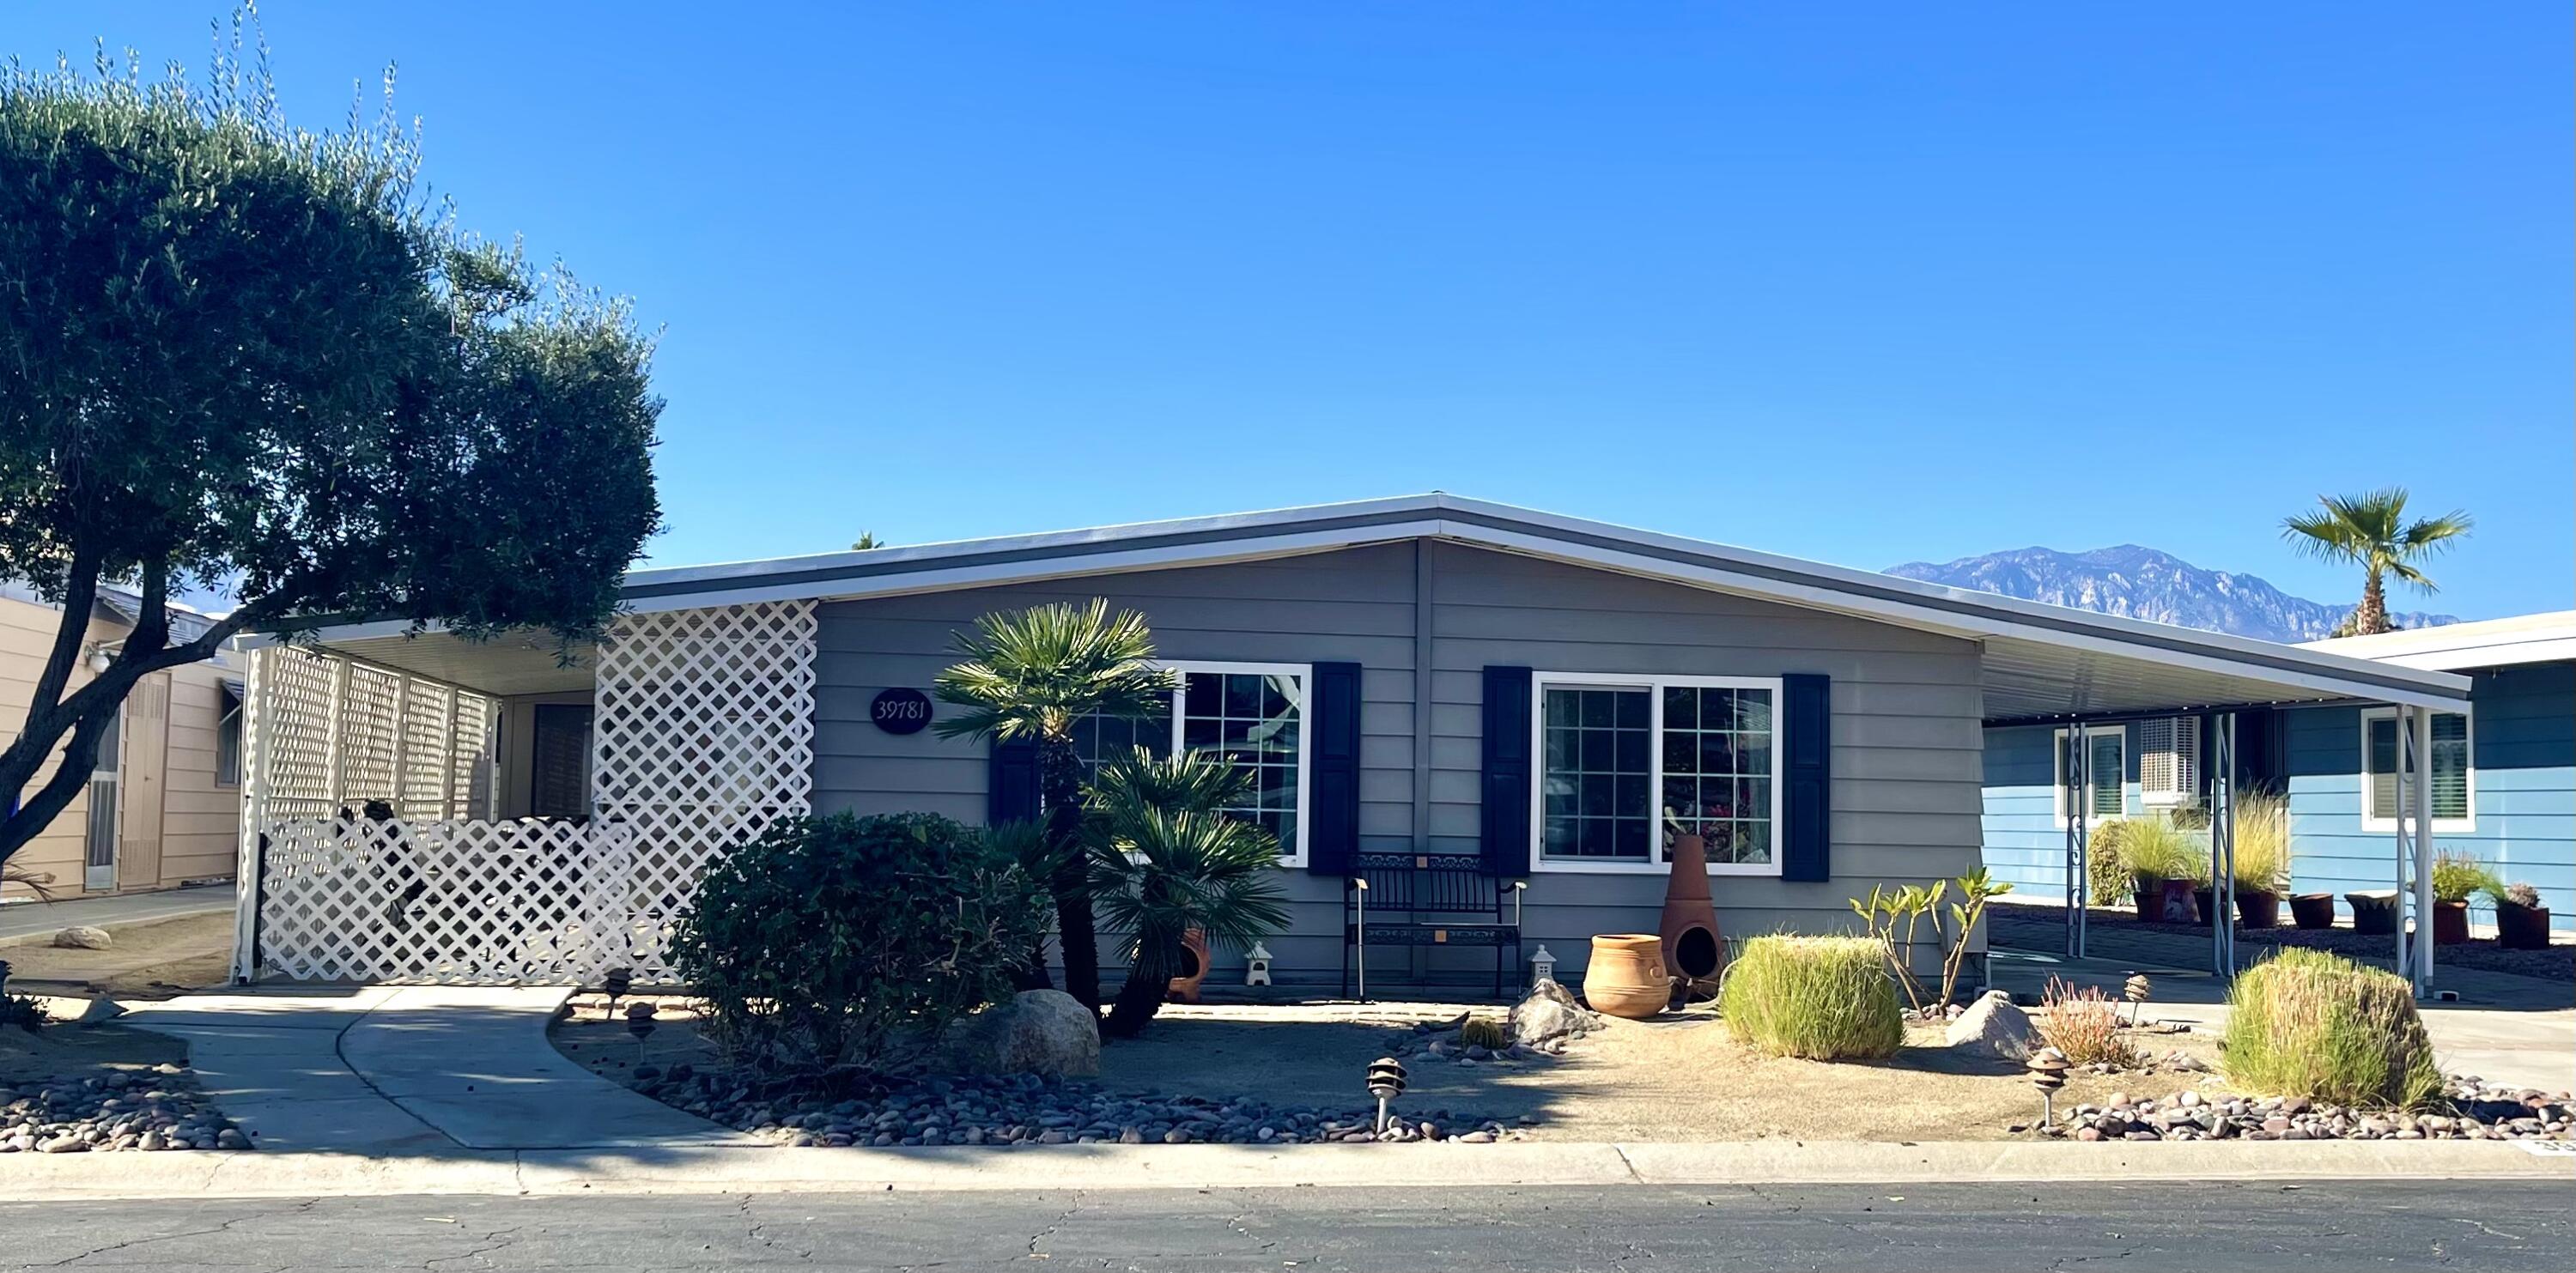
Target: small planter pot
2522,927
2450,923
2166,901
2204,905
2261,908
2313,911
2373,913
1626,976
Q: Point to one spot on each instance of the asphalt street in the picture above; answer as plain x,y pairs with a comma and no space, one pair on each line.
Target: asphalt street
2243,1228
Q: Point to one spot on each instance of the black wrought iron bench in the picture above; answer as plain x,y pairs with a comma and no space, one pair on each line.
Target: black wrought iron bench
1427,899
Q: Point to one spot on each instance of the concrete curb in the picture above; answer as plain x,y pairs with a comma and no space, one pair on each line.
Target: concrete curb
727,1170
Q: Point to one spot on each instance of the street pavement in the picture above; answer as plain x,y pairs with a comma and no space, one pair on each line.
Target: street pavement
2243,1228
43,919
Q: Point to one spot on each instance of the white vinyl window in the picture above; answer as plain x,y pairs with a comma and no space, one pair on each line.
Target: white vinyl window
2104,798
1617,753
2451,773
1252,714
2169,760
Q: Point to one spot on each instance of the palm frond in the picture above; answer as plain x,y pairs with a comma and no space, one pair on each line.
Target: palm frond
1034,672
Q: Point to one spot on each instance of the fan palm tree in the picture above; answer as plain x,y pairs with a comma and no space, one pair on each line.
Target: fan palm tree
1033,675
1166,859
2371,531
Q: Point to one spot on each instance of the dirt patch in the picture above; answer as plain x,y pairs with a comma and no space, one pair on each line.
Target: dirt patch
601,1043
84,1051
146,961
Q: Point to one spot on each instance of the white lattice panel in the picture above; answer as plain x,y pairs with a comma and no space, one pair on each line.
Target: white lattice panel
703,733
287,719
370,726
427,715
469,757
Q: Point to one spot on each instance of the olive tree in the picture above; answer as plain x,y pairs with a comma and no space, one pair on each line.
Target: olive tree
240,355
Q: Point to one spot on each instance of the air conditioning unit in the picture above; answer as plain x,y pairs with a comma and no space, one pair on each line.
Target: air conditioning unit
2169,761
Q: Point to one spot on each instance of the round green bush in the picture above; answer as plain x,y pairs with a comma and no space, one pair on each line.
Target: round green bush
2306,1023
844,942
1823,998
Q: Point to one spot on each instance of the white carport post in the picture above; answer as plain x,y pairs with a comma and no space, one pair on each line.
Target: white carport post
2222,842
2076,764
2422,793
2413,825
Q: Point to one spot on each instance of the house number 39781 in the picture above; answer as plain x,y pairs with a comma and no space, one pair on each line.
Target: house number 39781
900,711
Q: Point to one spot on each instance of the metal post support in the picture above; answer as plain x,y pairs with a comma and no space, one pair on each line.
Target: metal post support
2221,776
2423,793
2077,766
2404,841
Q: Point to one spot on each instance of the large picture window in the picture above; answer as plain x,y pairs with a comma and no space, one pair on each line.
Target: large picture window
1251,714
2449,773
1619,754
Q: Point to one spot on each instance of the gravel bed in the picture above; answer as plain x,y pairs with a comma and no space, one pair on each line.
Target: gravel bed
158,1110
2471,1110
1025,1109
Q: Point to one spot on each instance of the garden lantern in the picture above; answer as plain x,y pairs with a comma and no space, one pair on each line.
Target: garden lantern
639,1022
617,982
2047,1073
1256,966
1385,1082
2136,993
1542,966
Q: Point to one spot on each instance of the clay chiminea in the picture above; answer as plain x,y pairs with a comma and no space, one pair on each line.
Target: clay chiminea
1194,967
1692,949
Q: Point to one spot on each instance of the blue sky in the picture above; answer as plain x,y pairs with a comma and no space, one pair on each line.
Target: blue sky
1851,282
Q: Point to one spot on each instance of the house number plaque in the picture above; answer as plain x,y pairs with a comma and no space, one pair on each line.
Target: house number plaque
900,711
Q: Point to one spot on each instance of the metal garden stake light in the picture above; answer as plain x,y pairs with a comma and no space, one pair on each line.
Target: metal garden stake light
639,1022
617,982
2136,993
2047,1073
1385,1082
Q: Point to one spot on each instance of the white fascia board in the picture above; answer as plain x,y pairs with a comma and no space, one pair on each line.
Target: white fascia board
2507,654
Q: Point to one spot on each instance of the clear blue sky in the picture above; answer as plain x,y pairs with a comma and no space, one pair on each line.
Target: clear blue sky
1857,283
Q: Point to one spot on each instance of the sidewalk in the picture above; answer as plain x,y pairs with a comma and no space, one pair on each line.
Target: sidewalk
406,1070
25,920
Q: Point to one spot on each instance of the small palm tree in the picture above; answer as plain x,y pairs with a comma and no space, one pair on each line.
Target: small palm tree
1166,859
1034,675
2371,531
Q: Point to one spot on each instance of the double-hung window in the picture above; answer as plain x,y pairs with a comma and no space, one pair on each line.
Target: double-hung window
1620,754
1253,715
2105,796
2448,773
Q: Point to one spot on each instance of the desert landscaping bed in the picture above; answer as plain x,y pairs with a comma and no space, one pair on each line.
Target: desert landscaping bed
71,1089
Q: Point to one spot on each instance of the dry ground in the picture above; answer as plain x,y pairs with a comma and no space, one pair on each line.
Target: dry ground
147,961
1675,1079
83,1051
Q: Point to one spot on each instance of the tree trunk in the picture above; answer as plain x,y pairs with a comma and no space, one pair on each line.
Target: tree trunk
1060,781
2372,617
1138,1000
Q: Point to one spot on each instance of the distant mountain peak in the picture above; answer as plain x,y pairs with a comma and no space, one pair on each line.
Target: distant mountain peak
2138,582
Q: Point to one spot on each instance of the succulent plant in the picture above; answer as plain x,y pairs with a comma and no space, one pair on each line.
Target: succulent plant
1484,1032
2520,893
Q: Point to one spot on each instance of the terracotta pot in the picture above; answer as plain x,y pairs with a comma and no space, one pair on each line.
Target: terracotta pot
2165,901
2522,927
1626,977
2261,908
1194,965
2373,913
2450,923
1692,950
2313,910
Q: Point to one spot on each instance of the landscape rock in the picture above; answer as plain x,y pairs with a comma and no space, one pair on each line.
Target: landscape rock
1993,1026
83,937
1550,1013
1046,1032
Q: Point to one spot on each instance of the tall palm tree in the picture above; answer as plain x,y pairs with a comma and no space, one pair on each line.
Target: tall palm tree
2371,531
1034,675
1166,858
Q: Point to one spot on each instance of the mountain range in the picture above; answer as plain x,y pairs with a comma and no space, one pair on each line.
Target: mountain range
2143,583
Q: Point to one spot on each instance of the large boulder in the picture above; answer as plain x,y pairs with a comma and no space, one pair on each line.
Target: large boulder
1044,1032
83,937
1549,1013
1992,1026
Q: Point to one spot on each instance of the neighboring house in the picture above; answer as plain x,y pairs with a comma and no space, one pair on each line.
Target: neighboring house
1426,676
2503,771
163,807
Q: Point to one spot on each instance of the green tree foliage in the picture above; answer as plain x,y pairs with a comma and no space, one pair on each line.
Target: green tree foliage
1031,676
1166,859
2371,531
848,943
241,355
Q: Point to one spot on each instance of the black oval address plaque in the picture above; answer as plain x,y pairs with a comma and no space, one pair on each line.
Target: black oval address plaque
900,711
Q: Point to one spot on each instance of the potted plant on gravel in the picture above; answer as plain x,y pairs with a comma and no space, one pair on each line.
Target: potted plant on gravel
2161,870
2263,859
2457,877
2312,911
2522,923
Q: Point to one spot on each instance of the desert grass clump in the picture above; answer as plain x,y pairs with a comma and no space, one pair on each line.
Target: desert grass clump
2084,1024
2262,842
2459,876
2306,1023
2158,850
1822,998
1484,1032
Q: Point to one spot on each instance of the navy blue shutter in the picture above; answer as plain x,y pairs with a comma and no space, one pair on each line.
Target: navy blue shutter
1509,774
1011,783
1806,769
1333,781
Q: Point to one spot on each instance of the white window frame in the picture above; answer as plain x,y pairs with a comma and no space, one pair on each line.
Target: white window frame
2468,778
1654,685
2183,738
1290,856
2057,772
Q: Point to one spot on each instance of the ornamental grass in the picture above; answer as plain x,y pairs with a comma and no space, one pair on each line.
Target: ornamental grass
2084,1024
1821,998
2306,1023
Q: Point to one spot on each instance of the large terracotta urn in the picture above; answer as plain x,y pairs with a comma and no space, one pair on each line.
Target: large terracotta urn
1693,950
1626,977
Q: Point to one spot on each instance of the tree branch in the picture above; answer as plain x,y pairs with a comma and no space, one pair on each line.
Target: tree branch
80,594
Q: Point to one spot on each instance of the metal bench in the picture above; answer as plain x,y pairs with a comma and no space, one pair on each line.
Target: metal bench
1427,899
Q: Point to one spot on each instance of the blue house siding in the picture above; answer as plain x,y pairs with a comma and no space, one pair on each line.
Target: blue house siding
2025,843
2522,732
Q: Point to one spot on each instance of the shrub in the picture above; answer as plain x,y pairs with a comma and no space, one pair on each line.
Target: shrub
2106,869
1823,998
1484,1032
2306,1023
2459,876
2262,842
2080,1022
848,943
2158,850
